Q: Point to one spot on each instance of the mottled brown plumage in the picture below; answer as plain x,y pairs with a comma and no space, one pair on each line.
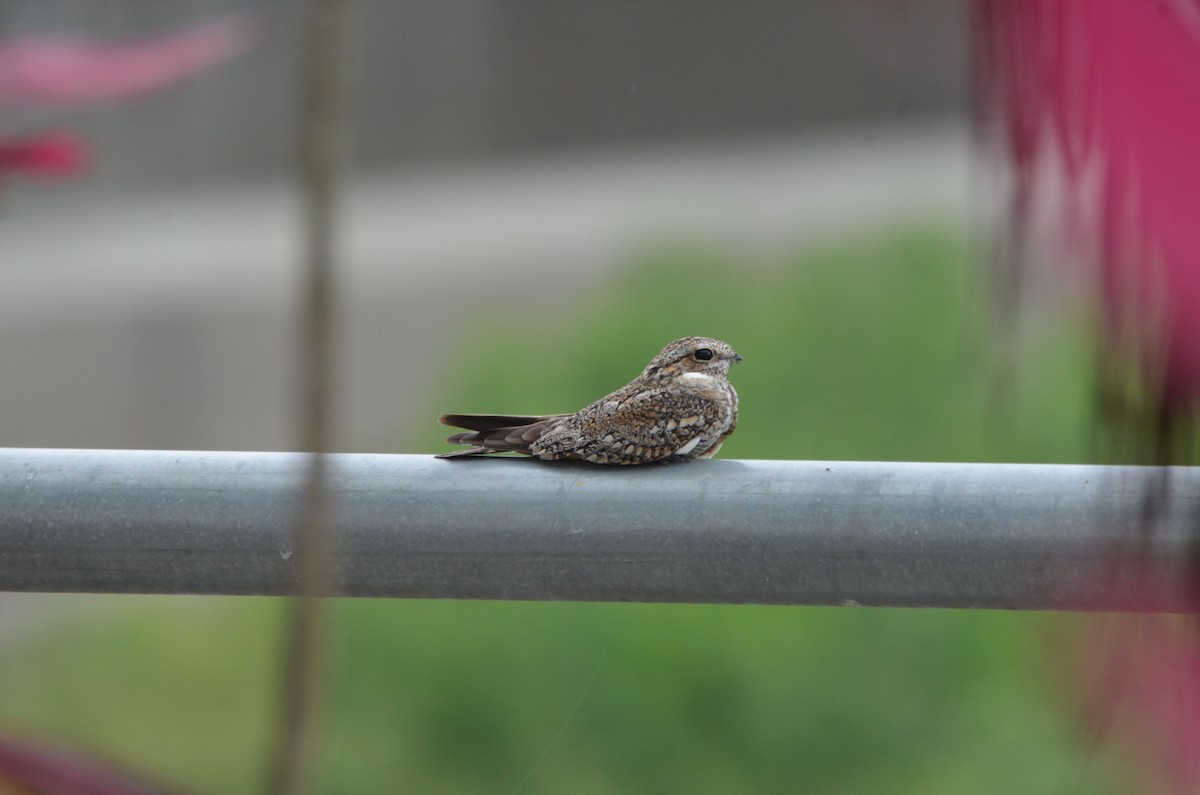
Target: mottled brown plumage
681,407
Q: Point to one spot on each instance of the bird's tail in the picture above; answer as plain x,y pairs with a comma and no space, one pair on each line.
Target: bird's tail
496,433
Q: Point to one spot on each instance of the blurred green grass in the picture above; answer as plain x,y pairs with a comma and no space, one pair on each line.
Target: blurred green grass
855,349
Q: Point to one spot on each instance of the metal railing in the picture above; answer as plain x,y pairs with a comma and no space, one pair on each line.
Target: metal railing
1035,537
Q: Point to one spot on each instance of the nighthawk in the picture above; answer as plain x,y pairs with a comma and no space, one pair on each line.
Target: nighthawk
680,408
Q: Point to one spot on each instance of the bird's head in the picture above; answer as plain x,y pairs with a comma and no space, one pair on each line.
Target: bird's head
701,355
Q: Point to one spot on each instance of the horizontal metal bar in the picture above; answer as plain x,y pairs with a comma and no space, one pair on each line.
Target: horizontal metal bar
778,532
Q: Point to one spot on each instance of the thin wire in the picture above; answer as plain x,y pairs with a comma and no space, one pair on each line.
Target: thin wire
563,729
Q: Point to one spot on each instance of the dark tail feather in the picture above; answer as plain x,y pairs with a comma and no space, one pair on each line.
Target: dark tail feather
465,453
488,422
496,433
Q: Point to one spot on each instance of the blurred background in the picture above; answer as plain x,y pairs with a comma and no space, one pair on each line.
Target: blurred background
537,197
500,155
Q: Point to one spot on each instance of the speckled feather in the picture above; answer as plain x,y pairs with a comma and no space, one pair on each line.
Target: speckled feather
681,407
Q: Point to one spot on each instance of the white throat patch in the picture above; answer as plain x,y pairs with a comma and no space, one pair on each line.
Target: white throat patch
697,377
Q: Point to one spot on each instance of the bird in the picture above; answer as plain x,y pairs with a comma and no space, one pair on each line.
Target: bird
680,408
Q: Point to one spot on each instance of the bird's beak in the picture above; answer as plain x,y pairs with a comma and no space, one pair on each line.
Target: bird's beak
737,357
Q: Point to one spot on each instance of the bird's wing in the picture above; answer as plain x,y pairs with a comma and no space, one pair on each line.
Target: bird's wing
642,427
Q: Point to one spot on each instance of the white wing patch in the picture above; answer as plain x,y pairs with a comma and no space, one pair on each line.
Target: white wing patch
689,447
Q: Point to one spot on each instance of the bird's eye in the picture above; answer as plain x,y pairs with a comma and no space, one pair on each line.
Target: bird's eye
704,354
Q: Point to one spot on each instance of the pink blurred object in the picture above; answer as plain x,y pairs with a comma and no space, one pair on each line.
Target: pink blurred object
77,70
50,154
1096,104
1143,678
61,70
41,769
1110,92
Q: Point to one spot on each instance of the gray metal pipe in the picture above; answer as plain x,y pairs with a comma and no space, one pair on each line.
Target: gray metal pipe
776,532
